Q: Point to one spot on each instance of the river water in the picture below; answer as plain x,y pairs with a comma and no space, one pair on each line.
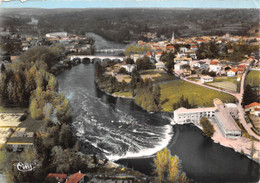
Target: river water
125,132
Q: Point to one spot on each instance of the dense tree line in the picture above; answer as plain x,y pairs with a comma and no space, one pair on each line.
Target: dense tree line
148,95
27,82
48,55
109,83
183,103
136,49
250,95
208,50
144,64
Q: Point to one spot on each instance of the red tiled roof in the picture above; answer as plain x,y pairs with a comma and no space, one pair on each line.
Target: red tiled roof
240,69
254,104
232,70
170,47
75,178
257,109
158,53
242,66
148,53
58,176
194,46
214,62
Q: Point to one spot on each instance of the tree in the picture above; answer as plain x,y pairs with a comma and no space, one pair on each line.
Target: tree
164,161
249,96
122,70
144,64
129,60
157,94
207,127
183,103
65,137
168,59
173,168
161,162
2,68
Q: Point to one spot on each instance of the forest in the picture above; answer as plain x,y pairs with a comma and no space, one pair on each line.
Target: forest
122,25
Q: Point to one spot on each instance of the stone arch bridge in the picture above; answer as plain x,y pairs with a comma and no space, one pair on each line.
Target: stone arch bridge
92,57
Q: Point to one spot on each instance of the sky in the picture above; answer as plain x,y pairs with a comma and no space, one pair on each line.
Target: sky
50,4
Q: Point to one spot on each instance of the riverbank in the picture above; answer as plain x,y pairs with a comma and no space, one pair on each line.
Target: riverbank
241,145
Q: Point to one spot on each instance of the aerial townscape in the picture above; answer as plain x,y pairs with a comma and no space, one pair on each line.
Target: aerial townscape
124,95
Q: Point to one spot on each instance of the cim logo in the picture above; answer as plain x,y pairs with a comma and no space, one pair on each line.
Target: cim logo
26,167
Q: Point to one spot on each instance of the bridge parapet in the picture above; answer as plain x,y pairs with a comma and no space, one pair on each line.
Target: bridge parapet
91,57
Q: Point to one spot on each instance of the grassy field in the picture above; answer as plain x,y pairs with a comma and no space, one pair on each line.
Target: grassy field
253,78
197,95
226,83
159,76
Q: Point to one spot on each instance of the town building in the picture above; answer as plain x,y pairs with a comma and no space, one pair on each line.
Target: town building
183,115
148,54
129,67
179,66
158,56
74,178
231,72
160,66
215,66
136,56
223,114
251,107
206,79
225,121
57,35
183,60
77,178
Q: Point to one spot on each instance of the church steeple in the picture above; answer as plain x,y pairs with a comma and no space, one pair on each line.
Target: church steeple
172,40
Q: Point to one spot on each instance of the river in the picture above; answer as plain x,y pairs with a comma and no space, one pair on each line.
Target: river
124,132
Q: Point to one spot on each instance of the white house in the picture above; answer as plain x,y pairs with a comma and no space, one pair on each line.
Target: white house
206,79
136,56
181,54
160,66
179,66
158,56
251,107
148,54
200,64
129,67
183,49
215,66
231,72
57,35
183,60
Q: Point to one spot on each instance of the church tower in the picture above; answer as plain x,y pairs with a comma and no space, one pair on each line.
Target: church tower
172,40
